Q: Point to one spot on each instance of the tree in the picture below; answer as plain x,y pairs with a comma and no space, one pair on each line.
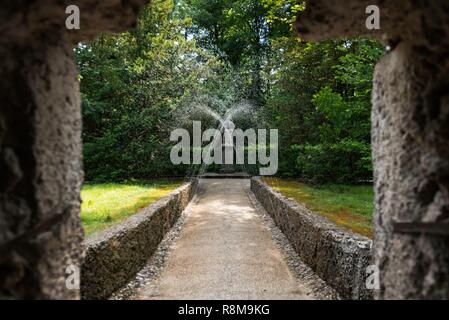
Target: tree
321,93
131,85
136,85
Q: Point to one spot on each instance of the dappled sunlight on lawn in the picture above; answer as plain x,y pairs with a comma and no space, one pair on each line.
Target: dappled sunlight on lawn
107,203
350,206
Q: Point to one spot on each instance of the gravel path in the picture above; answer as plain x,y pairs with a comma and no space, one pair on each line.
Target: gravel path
225,246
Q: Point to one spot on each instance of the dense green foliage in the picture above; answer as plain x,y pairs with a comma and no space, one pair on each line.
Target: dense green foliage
322,95
136,86
131,85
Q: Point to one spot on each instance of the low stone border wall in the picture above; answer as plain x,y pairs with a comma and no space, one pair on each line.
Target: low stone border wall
114,256
338,256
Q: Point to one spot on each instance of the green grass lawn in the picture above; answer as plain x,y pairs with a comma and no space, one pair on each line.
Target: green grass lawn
350,206
107,203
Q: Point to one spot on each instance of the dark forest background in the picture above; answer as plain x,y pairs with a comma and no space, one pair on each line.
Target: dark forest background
136,87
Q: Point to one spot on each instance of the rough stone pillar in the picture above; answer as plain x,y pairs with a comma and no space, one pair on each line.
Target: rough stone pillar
410,137
411,156
40,141
40,172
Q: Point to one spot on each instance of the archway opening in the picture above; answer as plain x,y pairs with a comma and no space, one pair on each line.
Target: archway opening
228,66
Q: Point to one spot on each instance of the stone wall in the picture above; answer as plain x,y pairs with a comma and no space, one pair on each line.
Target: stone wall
410,136
114,256
40,171
40,140
410,139
338,256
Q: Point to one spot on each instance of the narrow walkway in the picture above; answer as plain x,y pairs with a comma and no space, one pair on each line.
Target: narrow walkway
225,251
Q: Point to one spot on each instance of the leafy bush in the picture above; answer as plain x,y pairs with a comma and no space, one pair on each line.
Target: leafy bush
287,160
344,162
